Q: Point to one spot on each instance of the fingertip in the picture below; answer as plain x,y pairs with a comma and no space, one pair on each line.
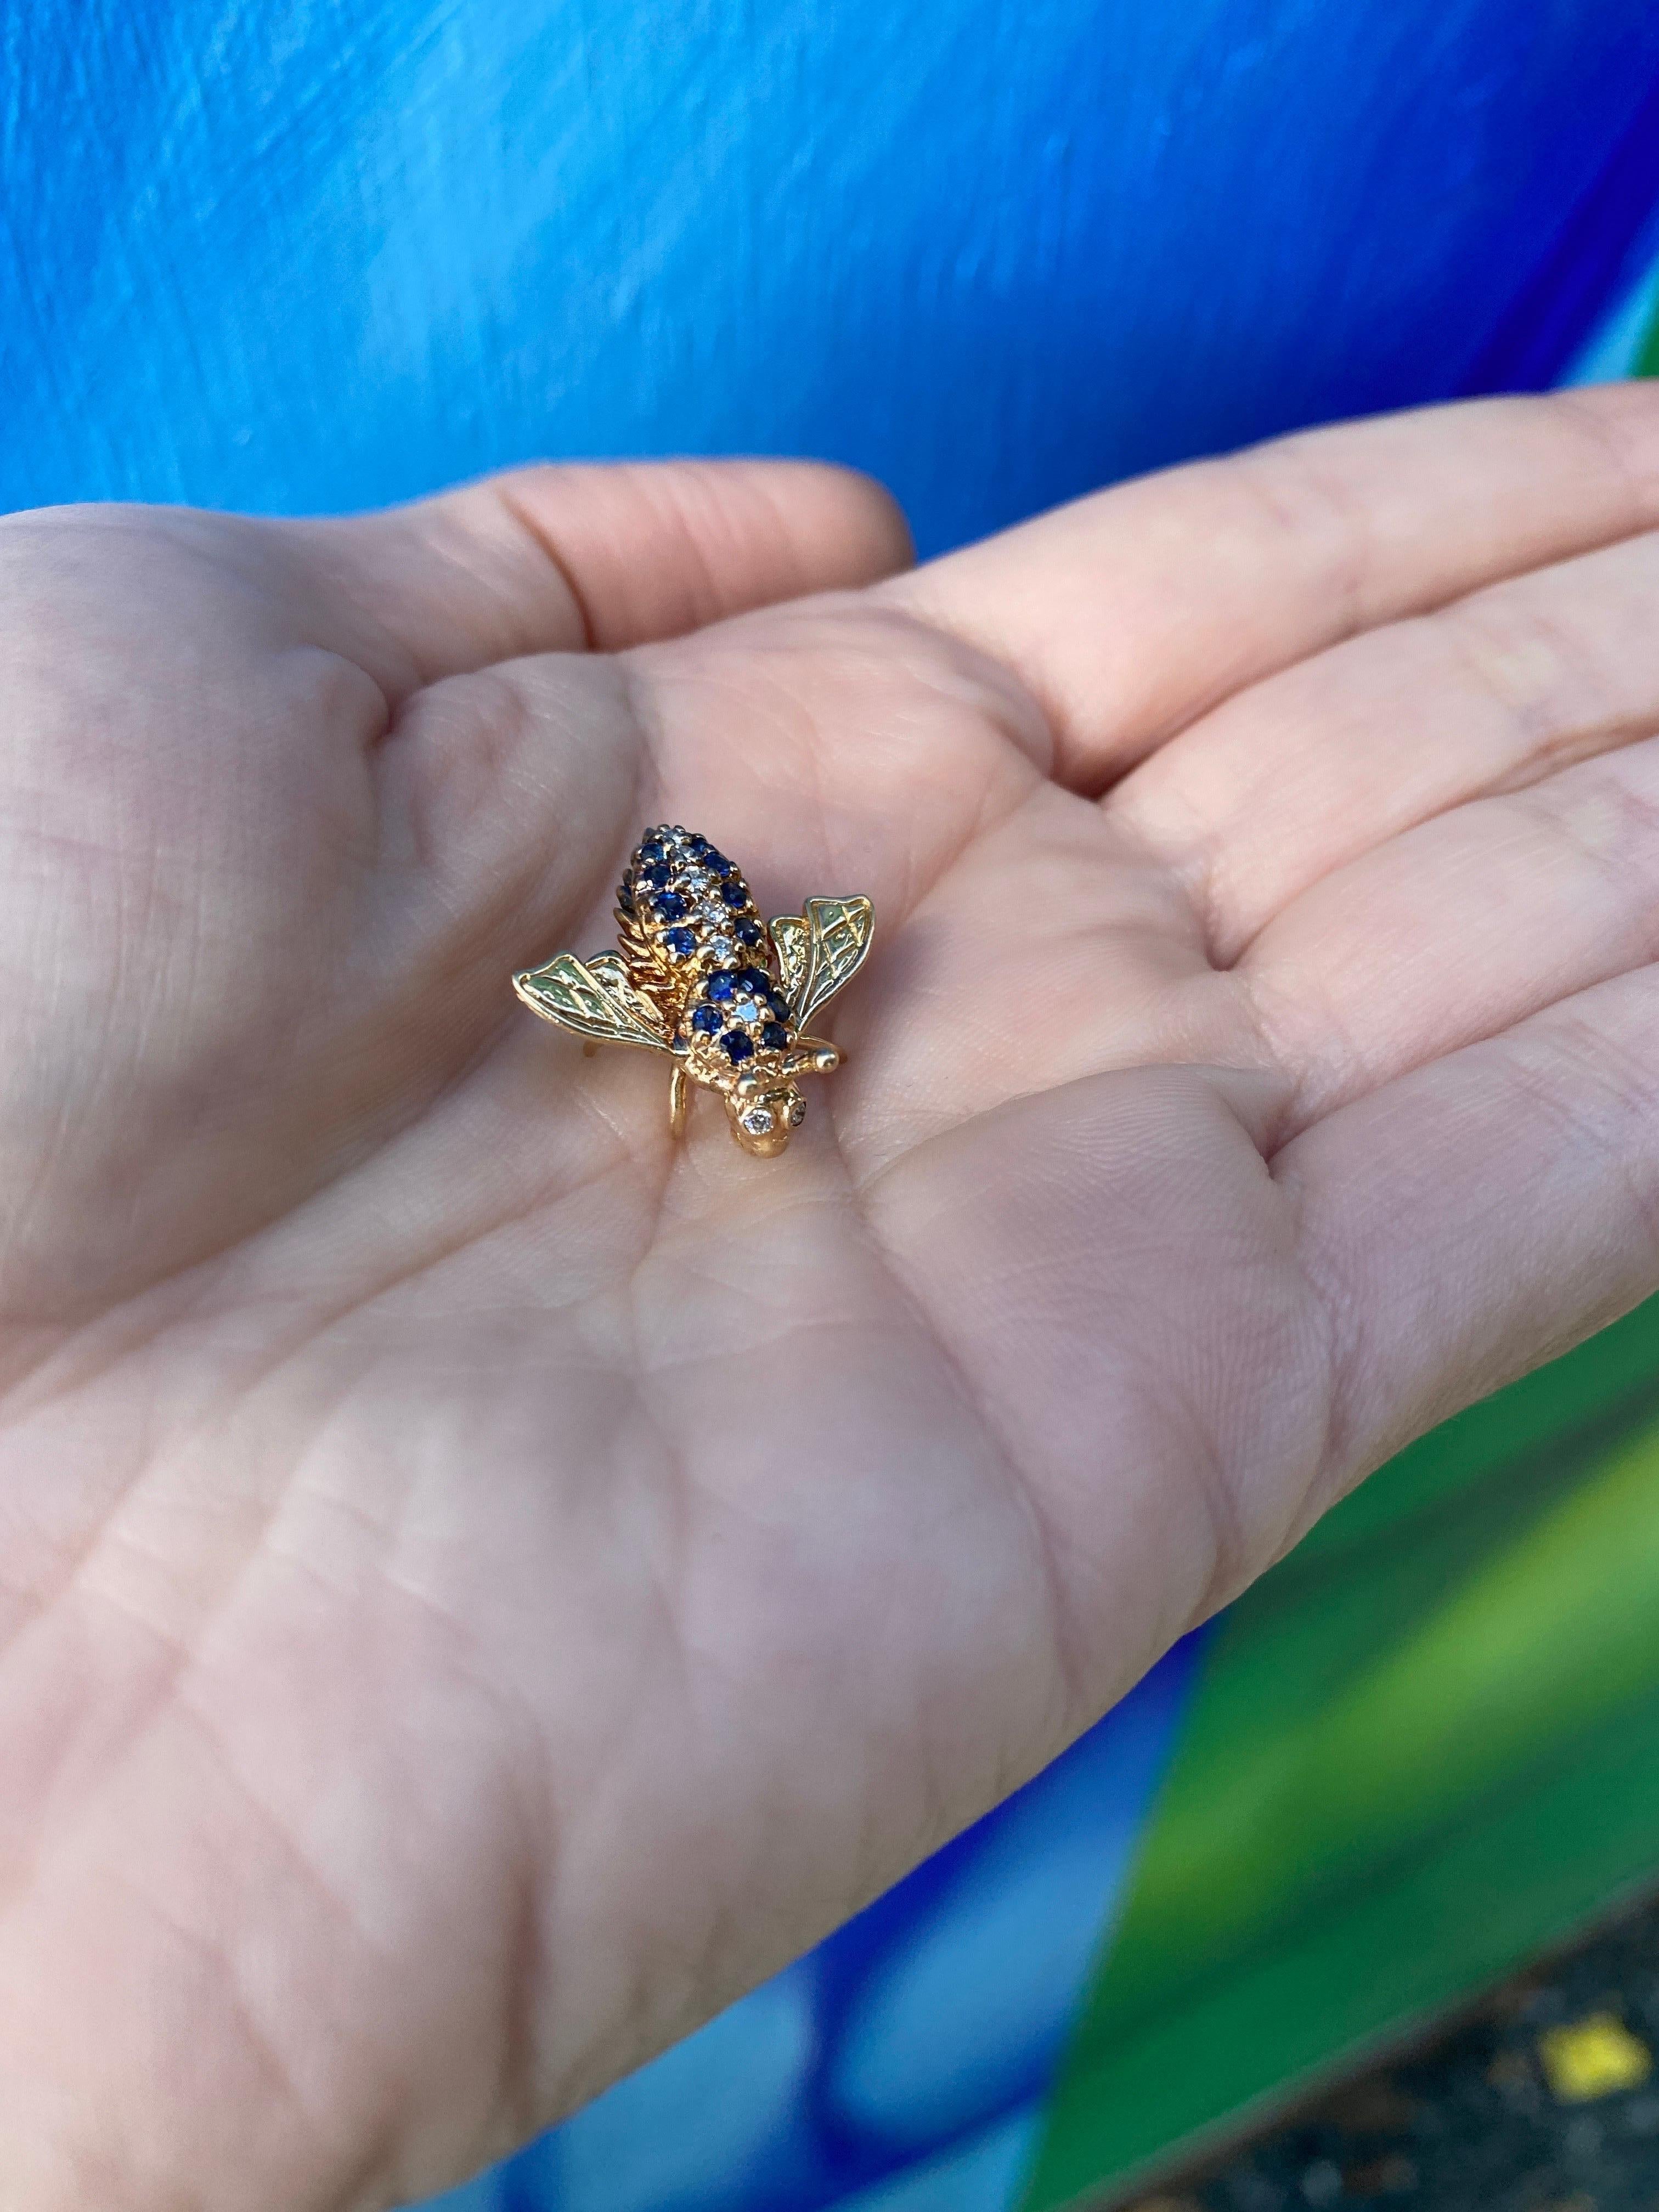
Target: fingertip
746,534
860,526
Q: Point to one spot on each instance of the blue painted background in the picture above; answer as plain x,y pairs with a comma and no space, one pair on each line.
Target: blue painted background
293,255
279,255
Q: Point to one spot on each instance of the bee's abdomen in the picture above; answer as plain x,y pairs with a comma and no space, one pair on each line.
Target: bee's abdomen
695,943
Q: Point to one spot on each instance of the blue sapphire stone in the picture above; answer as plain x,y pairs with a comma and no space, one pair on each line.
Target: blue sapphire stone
705,1020
734,895
682,943
720,987
752,980
659,875
737,1046
774,1036
651,850
747,932
670,907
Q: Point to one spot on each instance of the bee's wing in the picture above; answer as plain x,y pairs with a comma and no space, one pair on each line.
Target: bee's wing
788,933
610,971
818,950
595,1000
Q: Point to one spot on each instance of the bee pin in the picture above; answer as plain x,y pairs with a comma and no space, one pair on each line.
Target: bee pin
701,977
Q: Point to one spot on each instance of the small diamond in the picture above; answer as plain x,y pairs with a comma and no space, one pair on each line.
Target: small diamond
722,949
759,1121
737,1046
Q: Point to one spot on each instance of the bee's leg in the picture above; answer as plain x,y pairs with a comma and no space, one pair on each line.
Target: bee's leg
679,1092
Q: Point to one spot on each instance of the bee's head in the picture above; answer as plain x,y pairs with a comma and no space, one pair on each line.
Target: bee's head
764,1113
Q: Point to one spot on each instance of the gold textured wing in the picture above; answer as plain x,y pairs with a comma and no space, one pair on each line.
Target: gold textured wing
788,933
819,950
594,998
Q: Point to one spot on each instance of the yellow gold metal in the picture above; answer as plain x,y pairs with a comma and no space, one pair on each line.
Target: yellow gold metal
699,976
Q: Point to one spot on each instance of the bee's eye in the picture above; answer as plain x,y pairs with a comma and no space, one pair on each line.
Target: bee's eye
797,1113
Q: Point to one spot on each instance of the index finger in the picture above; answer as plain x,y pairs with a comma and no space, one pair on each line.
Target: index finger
1130,612
575,557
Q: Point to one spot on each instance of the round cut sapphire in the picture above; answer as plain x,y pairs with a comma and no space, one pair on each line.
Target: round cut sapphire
670,907
774,1036
720,988
737,1046
752,980
705,1020
734,895
682,943
651,850
659,875
747,932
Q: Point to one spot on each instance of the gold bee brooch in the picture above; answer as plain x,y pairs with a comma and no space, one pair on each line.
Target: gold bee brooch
700,976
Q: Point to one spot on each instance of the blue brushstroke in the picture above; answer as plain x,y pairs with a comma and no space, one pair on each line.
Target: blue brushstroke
1615,346
1601,239
719,2120
982,2173
300,258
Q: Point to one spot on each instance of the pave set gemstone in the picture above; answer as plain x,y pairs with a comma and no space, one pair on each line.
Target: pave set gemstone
692,902
751,1008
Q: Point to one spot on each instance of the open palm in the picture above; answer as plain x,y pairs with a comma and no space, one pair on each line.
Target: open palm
482,1584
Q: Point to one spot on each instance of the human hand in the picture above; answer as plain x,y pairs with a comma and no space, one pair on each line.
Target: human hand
484,1585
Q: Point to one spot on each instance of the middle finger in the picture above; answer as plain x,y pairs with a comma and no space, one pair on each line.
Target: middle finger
1303,774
